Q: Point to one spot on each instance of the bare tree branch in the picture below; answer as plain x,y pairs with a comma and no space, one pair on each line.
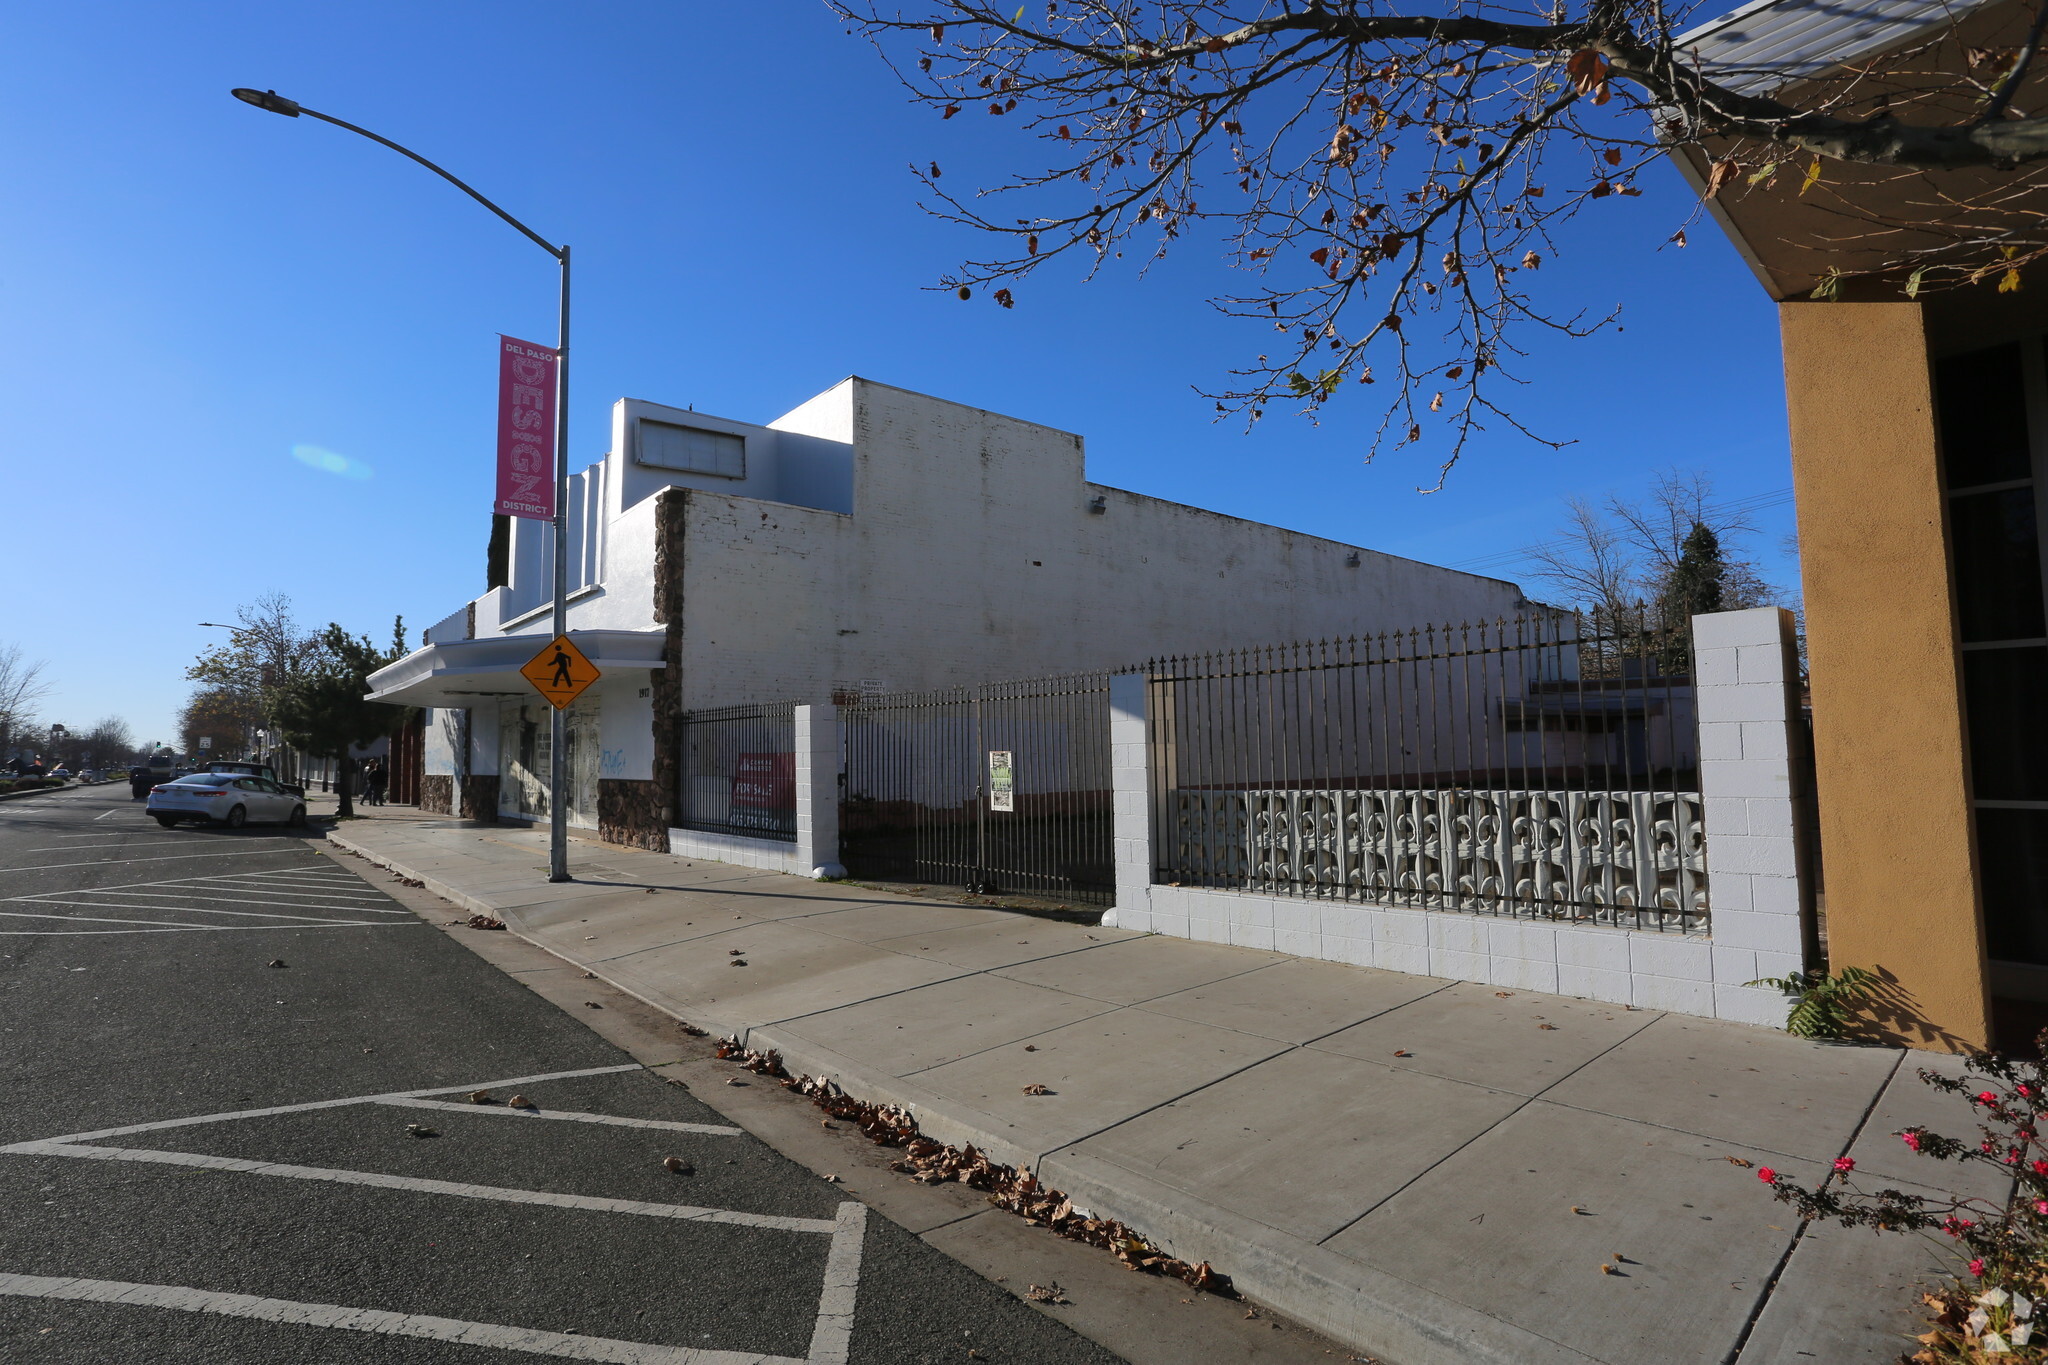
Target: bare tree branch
1392,182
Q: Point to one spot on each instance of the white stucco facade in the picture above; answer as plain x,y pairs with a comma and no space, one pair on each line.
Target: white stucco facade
877,539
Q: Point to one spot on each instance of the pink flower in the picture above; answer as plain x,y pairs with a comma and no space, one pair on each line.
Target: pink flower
1988,1097
1911,1137
1977,1267
2041,1168
2024,1090
1844,1165
2041,1207
1766,1174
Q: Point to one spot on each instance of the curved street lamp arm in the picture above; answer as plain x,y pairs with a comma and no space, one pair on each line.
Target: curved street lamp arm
535,237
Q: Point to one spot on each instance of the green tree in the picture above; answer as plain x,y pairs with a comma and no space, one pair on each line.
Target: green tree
1698,581
321,710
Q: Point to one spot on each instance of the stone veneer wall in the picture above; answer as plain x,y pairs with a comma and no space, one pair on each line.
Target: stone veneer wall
666,683
437,794
630,812
480,798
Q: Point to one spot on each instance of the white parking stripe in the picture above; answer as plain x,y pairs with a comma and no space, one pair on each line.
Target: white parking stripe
202,910
161,894
688,1213
174,929
570,1116
155,858
531,1340
336,1104
87,848
832,1338
109,919
285,889
115,811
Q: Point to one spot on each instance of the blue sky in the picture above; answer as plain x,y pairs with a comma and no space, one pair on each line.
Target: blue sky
194,289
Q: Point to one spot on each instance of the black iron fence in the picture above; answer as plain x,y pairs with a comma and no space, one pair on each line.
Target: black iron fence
1544,767
1002,787
738,771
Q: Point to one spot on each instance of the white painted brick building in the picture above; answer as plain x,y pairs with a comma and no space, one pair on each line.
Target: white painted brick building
871,539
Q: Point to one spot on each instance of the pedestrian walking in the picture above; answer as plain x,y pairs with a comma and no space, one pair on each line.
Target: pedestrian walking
373,782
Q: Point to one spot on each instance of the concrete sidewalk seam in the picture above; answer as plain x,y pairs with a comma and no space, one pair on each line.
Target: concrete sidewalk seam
1770,1286
1263,1205
1527,1100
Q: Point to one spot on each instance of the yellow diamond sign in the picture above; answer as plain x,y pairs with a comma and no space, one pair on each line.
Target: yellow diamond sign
560,672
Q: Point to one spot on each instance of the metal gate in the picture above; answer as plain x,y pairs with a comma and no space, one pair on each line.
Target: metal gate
997,788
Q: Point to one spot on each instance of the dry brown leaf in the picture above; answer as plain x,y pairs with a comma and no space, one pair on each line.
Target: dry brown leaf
1402,1053
1036,1089
480,1097
1047,1293
1551,1027
679,1166
521,1102
1031,1047
592,1005
1738,1161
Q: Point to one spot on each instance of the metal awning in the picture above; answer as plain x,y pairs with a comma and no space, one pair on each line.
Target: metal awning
465,672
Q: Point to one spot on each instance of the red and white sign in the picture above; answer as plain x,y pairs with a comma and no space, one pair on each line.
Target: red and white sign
763,791
526,430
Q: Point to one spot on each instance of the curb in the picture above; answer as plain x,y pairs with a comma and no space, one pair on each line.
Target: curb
45,791
1349,1301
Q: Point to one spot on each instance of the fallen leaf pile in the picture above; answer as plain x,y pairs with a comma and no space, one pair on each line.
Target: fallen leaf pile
1047,1293
691,1029
484,922
930,1162
408,881
767,1062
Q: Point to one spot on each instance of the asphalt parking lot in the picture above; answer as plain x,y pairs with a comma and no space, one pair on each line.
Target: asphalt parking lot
205,1155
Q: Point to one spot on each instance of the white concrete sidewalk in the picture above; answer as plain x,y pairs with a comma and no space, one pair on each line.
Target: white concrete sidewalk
1430,1171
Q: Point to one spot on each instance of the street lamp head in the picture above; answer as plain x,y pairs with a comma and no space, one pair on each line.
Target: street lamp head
267,99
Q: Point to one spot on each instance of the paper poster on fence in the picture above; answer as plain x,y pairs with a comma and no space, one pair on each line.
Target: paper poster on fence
1002,781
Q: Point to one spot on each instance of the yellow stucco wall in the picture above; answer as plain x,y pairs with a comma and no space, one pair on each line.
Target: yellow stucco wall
1892,783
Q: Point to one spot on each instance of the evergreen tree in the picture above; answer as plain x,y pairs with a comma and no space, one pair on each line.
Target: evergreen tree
322,709
1698,582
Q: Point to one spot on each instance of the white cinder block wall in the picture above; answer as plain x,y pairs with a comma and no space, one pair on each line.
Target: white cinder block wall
816,850
1748,709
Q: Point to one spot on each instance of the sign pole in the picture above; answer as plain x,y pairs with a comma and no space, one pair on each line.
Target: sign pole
558,721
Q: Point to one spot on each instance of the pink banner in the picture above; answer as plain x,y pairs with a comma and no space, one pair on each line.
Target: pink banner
526,430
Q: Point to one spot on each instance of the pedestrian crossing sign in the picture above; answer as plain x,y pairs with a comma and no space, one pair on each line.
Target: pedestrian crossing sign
560,672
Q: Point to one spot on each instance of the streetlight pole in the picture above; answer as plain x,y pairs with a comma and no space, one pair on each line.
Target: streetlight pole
558,726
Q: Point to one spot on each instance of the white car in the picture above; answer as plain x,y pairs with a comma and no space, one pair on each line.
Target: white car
224,799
